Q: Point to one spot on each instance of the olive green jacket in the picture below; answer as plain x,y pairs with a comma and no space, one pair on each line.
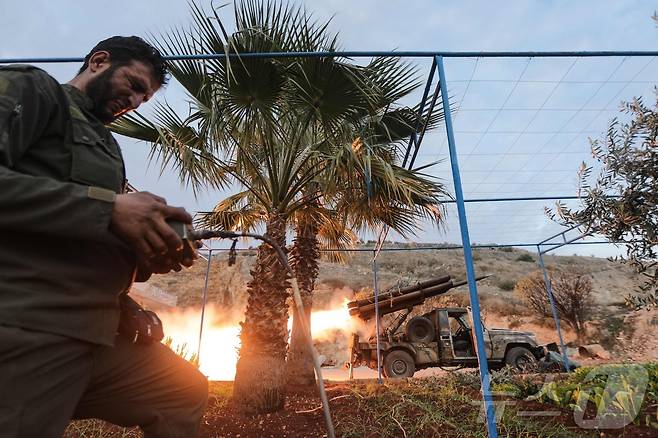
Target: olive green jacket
61,269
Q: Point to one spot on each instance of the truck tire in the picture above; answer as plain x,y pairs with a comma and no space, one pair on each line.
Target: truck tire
398,364
521,359
420,329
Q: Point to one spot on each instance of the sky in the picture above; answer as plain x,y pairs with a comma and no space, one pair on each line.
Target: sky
521,126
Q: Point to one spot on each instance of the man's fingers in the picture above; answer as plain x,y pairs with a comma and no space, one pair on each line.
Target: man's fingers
156,242
144,248
177,213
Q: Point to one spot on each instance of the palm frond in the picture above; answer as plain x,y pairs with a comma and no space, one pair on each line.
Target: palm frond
238,212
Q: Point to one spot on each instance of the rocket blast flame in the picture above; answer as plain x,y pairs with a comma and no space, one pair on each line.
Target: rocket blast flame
220,341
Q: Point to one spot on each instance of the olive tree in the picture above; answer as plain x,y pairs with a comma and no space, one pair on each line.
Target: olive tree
622,203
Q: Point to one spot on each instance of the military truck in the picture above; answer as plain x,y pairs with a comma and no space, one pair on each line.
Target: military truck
441,337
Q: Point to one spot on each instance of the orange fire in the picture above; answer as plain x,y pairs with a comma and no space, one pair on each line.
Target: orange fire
220,341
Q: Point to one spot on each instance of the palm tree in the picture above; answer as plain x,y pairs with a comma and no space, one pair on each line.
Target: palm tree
366,188
277,127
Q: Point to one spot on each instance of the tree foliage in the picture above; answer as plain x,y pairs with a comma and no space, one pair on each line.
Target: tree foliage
622,204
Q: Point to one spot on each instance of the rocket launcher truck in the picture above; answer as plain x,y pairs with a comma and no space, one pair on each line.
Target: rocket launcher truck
441,337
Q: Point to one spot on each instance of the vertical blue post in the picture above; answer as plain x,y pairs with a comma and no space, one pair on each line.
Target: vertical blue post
556,318
375,269
485,378
203,305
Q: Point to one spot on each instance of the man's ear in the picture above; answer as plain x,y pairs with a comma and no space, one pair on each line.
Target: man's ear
99,61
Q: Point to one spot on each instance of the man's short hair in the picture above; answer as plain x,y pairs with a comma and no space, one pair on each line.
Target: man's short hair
124,50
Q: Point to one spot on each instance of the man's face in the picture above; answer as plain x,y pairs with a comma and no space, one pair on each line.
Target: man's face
118,90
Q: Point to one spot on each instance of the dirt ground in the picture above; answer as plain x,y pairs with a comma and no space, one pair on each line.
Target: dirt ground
302,417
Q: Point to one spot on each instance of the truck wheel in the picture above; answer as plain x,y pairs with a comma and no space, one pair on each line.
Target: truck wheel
420,329
521,359
398,364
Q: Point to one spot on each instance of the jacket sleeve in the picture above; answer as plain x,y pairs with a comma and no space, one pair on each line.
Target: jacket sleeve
39,204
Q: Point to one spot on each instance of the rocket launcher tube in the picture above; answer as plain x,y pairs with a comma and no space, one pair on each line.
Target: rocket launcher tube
400,292
411,299
401,302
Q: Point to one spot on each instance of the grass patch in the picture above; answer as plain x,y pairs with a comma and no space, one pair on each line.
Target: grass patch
437,406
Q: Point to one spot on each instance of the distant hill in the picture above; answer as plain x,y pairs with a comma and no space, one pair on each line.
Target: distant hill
501,306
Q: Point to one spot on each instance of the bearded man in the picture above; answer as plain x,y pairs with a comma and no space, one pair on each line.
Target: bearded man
71,244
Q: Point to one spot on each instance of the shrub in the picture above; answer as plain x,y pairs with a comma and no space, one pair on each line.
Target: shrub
525,258
572,292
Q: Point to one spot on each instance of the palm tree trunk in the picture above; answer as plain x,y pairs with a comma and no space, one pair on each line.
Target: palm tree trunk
304,257
260,372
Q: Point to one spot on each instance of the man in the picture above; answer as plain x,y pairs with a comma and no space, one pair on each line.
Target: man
71,244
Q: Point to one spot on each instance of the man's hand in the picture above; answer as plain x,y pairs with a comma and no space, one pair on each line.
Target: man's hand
139,219
166,263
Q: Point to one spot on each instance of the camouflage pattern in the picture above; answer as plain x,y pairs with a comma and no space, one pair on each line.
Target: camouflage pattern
441,351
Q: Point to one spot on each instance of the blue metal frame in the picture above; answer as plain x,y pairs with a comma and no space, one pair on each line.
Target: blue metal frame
413,140
439,247
204,302
437,62
485,378
368,54
556,317
549,287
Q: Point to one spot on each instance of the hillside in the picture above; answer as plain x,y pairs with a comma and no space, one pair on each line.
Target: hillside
627,335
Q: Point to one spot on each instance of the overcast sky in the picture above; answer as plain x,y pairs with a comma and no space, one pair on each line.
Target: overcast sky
522,125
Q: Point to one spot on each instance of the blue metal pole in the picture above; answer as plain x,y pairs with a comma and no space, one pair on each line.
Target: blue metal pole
556,318
413,139
375,269
485,378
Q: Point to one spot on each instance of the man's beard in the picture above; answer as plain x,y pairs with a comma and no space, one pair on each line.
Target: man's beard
100,91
